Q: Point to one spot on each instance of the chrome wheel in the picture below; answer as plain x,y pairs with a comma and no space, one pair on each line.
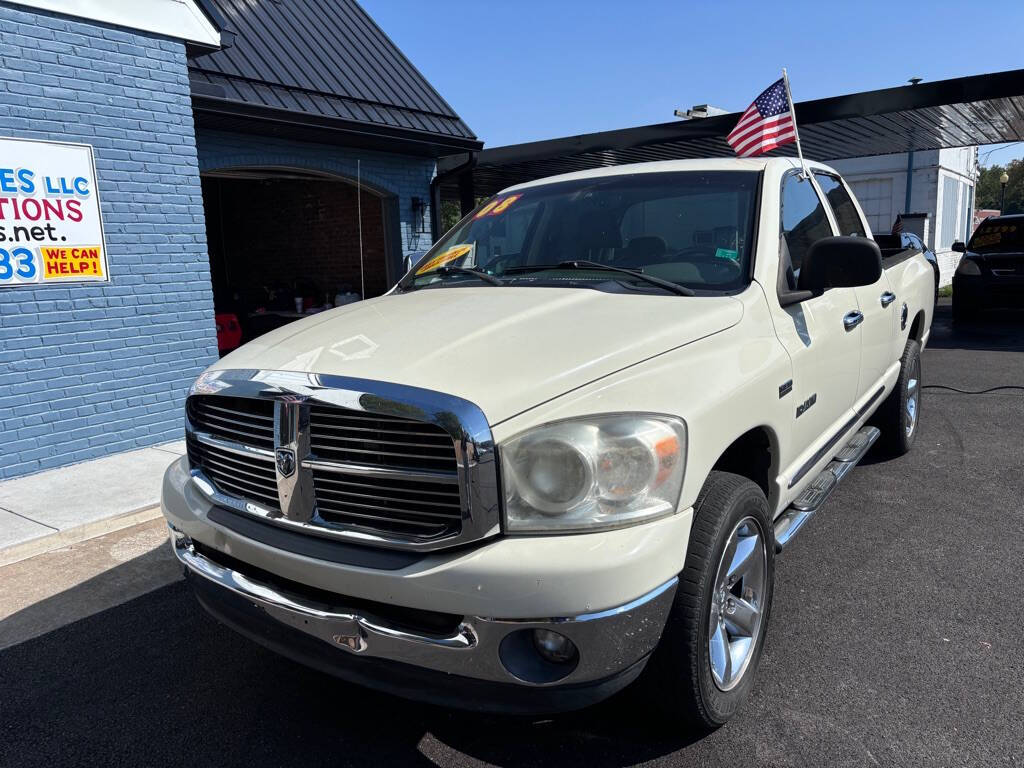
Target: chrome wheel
913,392
737,605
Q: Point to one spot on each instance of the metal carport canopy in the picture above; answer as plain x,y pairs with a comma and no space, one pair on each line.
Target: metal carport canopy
981,109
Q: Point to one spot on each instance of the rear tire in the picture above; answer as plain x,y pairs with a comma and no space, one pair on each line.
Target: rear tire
900,414
705,665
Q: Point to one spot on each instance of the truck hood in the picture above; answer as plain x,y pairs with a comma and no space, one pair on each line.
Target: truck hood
505,349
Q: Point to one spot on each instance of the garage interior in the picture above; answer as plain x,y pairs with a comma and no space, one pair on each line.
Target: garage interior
302,100
284,243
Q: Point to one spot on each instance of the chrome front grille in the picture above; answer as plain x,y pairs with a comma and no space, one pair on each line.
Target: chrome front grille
248,476
342,437
414,472
242,419
354,437
398,506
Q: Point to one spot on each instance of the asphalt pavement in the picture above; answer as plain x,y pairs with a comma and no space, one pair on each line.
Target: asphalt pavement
895,639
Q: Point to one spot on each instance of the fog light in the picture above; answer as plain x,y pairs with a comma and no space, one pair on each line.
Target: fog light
538,656
554,647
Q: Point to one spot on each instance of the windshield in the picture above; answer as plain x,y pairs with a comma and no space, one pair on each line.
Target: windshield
690,228
998,235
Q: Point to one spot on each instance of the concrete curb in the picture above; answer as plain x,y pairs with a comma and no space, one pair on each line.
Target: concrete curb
66,538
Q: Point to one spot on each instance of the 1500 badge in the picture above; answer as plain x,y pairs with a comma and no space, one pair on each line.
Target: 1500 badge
802,408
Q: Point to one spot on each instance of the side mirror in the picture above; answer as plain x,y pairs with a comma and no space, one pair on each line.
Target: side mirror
410,260
959,246
840,262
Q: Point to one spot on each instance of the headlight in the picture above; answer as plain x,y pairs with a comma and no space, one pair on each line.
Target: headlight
593,473
968,267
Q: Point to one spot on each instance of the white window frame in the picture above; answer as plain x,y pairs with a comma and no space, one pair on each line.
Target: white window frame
962,190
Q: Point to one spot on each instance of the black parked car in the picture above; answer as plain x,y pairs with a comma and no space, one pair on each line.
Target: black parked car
991,272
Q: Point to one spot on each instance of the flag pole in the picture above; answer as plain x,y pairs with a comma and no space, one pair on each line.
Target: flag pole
796,133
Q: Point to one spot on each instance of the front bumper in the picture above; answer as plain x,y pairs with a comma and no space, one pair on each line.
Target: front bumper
483,663
515,577
335,612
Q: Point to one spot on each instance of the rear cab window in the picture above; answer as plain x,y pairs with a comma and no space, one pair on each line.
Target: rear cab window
843,208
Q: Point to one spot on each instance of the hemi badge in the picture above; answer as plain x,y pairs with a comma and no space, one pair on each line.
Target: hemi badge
806,404
785,389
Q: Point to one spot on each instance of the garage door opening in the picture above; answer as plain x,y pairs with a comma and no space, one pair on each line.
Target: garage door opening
284,244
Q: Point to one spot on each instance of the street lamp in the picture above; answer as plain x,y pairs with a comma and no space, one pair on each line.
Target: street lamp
1003,180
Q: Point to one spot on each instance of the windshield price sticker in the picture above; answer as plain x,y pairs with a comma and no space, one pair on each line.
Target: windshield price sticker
50,226
452,254
497,207
992,235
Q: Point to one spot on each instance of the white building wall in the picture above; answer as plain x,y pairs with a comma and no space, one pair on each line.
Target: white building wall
942,187
955,205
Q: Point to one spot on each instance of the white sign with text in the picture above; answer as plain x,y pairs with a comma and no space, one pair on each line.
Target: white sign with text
50,226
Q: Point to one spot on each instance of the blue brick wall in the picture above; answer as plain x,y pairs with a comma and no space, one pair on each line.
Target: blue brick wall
88,370
401,176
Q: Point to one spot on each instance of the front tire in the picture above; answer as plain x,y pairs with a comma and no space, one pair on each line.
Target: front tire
899,416
705,664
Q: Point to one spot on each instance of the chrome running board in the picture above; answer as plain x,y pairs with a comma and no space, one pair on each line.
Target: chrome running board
811,498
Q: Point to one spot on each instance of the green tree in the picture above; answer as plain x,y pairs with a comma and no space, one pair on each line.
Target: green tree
450,215
988,188
986,194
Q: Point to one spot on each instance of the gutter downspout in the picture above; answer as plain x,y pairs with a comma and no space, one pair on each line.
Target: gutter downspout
435,193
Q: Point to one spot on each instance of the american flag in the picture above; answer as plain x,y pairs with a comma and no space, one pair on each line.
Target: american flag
767,123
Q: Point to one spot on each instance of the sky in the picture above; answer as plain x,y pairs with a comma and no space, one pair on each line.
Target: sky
526,70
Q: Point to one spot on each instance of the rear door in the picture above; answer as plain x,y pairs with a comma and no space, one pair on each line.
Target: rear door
825,354
876,303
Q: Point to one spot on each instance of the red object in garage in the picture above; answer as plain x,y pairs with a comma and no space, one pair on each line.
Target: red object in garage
229,332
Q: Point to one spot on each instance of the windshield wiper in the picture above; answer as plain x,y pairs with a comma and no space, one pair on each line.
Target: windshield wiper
681,290
477,273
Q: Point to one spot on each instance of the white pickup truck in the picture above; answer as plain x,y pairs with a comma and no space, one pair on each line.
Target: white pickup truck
562,454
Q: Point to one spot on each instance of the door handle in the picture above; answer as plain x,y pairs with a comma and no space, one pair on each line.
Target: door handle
852,319
888,298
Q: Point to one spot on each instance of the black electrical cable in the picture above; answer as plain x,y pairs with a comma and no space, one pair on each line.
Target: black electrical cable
972,392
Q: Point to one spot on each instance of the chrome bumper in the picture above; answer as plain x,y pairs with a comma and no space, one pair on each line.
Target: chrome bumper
608,641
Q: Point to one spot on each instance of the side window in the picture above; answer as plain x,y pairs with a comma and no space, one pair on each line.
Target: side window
803,220
842,205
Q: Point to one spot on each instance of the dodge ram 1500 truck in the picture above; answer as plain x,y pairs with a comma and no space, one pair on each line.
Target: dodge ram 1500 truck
561,454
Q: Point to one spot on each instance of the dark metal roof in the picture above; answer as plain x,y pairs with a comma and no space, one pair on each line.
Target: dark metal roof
323,63
982,109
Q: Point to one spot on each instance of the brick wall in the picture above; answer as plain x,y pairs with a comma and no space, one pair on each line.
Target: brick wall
87,370
291,233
